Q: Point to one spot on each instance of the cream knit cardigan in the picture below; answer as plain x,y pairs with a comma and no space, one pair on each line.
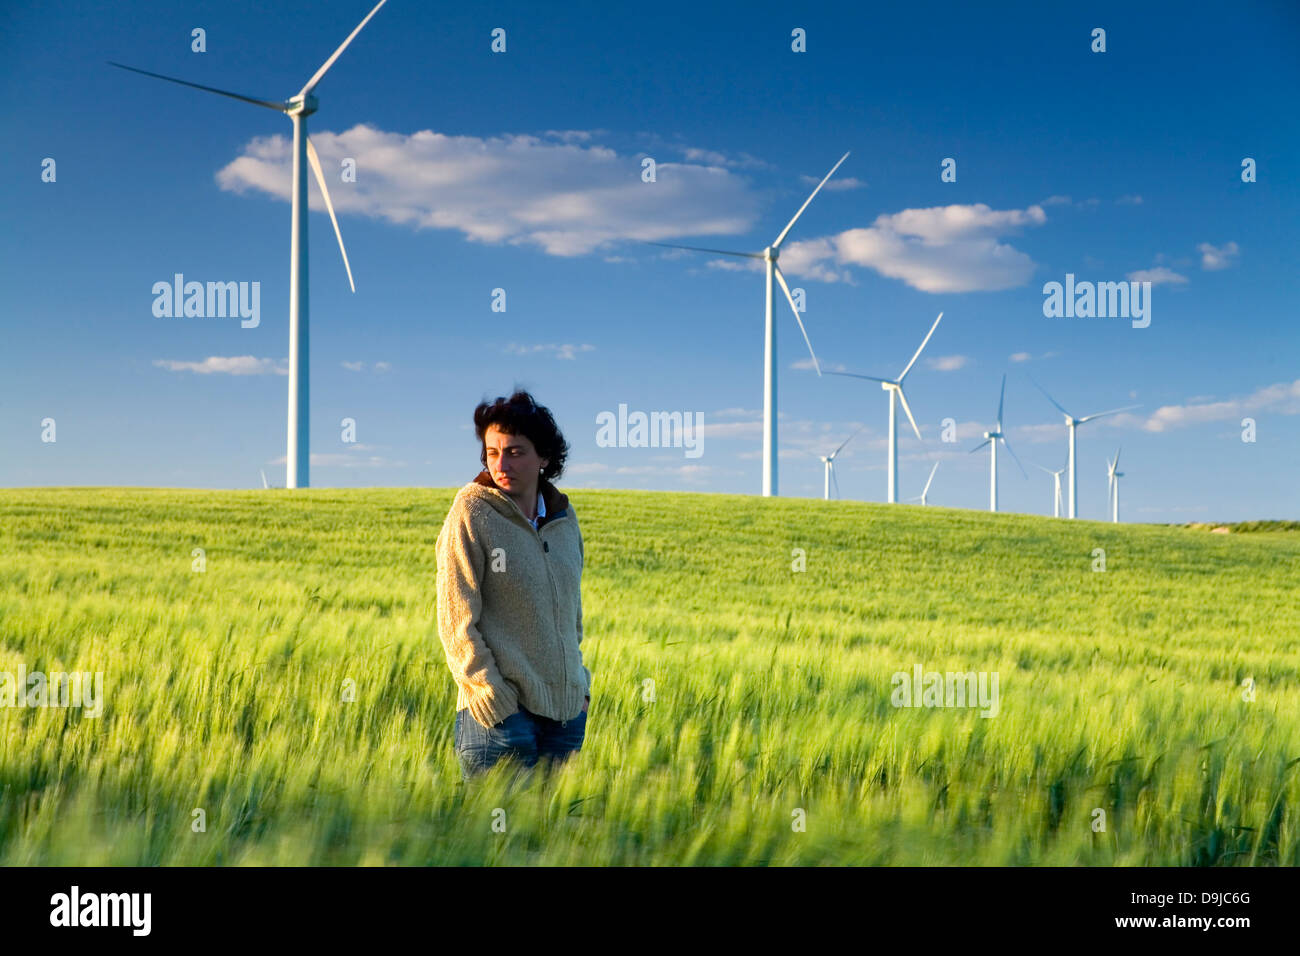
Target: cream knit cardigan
510,604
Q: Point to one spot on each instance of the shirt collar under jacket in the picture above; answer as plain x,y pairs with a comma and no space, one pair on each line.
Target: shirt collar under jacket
546,492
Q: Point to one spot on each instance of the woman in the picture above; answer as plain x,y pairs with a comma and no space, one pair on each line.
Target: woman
510,558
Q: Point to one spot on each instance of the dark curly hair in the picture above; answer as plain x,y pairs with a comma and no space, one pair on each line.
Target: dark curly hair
520,415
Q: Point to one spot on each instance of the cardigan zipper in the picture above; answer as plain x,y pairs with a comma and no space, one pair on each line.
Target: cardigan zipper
555,604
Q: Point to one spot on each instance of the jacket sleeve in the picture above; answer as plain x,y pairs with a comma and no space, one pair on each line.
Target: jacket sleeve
461,565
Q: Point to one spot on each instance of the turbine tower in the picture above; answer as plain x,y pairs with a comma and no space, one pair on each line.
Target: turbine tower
926,490
992,439
769,257
1112,492
297,108
1071,423
895,390
829,461
1056,475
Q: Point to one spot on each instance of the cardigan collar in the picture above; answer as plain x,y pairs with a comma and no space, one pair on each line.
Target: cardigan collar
557,502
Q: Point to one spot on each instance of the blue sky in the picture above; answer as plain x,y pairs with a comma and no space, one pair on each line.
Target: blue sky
522,170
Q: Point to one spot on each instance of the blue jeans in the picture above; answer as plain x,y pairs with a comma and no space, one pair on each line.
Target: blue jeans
523,736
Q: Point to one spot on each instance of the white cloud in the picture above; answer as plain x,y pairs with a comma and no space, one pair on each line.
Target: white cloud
1282,398
353,366
948,223
948,363
566,196
731,265
707,156
1128,200
222,365
826,366
558,351
711,157
1157,276
937,249
569,135
345,460
681,471
1020,357
1217,257
836,185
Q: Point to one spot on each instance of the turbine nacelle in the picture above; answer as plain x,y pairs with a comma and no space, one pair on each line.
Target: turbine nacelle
302,105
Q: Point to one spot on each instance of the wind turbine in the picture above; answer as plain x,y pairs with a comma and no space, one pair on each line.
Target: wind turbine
297,108
1071,423
895,390
926,489
992,439
769,256
264,484
1056,506
1112,491
830,467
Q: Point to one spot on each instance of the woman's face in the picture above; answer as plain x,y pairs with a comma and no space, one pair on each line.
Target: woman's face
512,461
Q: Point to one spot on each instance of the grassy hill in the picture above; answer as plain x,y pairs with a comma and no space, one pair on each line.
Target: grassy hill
1244,527
769,736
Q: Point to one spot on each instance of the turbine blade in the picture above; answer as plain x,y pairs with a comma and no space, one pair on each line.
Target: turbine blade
903,398
930,479
790,298
270,105
869,378
918,351
1113,411
1049,397
835,481
1117,453
264,484
320,181
806,202
1041,468
311,84
720,252
846,441
980,445
1000,398
1016,457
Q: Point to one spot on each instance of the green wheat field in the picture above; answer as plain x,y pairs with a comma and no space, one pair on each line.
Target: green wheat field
741,710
